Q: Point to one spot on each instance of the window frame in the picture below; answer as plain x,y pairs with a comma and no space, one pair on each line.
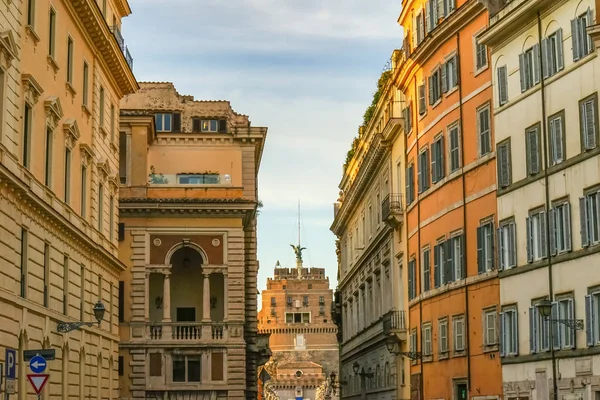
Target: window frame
423,181
529,68
563,329
484,108
584,136
438,168
533,131
443,351
476,52
509,311
508,224
456,319
583,45
426,268
485,261
554,159
553,53
487,313
589,217
502,71
52,33
504,182
451,167
427,340
541,250
562,230
70,53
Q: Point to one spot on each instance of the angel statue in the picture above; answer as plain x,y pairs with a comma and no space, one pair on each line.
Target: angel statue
298,250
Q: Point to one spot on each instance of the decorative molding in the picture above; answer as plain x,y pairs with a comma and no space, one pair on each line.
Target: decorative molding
31,89
54,112
103,169
72,133
113,183
87,154
8,48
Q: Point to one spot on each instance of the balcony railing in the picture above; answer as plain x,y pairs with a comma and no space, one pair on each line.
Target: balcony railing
121,42
186,331
394,322
392,208
189,179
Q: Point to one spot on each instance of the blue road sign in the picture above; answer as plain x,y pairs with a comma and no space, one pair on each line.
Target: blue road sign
37,364
11,363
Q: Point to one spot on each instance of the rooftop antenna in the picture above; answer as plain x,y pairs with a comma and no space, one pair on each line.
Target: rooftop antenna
298,249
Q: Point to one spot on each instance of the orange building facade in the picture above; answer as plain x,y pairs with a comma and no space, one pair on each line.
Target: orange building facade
450,201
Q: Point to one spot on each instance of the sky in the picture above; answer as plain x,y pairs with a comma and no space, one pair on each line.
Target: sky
306,69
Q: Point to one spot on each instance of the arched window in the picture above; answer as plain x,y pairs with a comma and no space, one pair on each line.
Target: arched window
386,374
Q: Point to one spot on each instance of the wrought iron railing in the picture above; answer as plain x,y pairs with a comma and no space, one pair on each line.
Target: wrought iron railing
121,42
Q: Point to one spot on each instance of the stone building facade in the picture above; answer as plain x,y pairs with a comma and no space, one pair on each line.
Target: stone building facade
188,240
296,312
63,72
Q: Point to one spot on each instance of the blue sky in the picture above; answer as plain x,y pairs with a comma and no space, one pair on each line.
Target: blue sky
306,69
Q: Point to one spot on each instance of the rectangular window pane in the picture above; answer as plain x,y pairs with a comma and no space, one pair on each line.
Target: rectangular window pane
52,32
83,191
193,365
85,84
101,107
100,206
26,134
179,370
48,158
70,60
67,194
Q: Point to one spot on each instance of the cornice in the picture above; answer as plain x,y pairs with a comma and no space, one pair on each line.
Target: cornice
187,208
8,48
123,7
32,205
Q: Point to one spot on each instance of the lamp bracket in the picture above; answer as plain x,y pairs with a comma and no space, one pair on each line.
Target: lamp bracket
576,324
413,355
65,327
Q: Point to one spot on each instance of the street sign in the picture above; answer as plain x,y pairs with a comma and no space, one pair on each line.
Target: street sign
48,354
10,386
11,363
37,364
38,381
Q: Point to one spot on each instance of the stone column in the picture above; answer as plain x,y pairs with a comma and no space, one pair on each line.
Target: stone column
167,297
206,295
225,297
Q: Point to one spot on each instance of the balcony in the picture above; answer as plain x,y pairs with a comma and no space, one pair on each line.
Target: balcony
189,180
392,210
393,120
394,323
121,42
187,331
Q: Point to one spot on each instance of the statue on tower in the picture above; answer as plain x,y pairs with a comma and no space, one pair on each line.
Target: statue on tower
298,250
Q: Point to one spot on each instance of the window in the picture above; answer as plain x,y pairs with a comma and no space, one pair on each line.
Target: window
198,179
560,228
539,330
533,149
67,193
502,85
454,148
435,86
305,301
112,123
48,158
65,288
449,6
426,261
410,184
31,13
588,122
592,318
413,345
111,218
450,74
536,236
46,274
121,301
489,325
69,60
85,83
481,59
273,302
582,42
104,7
427,347
100,206
589,214
422,101
431,8
209,125
24,261
121,366
123,150
321,300
529,68
443,336
419,31
101,107
297,318
439,259
485,247
504,164
565,335
423,172
163,122
407,115
509,332
507,243
455,268
52,33
289,301
82,293
458,323
412,279
437,160
186,369
552,54
557,138
83,191
484,132
27,120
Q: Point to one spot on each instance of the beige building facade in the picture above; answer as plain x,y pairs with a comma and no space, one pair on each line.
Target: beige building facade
368,224
546,81
63,71
188,201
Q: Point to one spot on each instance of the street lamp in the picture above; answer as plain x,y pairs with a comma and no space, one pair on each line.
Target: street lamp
356,367
545,309
393,346
99,310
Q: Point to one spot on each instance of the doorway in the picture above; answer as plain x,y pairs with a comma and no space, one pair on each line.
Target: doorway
461,391
186,314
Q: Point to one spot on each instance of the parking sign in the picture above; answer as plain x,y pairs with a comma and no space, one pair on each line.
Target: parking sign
11,363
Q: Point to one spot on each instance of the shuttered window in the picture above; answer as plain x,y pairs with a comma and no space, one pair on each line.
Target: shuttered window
484,130
450,74
509,332
431,9
560,228
592,328
588,122
552,54
423,172
481,59
454,150
485,247
504,164
439,261
589,218
410,184
533,150
556,125
443,336
529,67
412,281
422,100
155,364
458,329
407,115
502,84
435,86
437,160
536,236
426,263
582,42
507,245
427,346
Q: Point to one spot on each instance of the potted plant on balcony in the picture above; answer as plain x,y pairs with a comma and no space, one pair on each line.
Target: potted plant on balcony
155,178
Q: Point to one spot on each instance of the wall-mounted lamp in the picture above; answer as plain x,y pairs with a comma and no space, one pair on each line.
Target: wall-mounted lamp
99,310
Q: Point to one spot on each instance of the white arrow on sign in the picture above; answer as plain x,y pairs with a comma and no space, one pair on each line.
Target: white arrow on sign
38,364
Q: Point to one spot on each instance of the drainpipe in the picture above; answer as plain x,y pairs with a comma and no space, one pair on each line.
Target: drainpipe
420,331
464,197
546,193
